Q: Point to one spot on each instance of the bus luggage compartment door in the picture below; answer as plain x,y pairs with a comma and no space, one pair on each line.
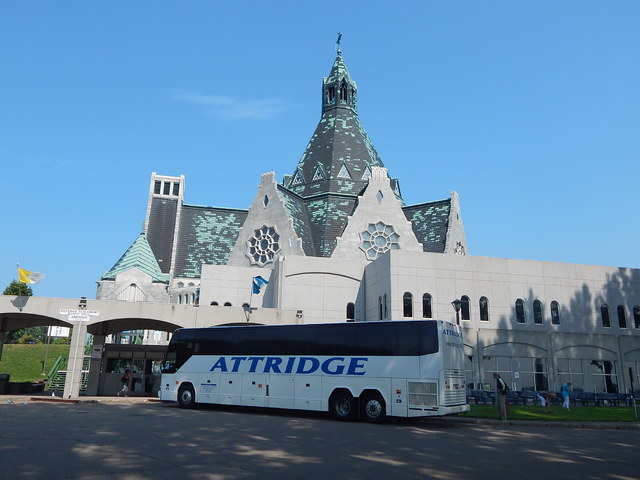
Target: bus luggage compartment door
308,392
280,394
254,390
230,388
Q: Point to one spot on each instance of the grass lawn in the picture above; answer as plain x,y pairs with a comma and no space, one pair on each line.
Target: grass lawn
24,362
576,414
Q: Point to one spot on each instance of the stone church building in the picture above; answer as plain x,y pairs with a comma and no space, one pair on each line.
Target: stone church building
336,242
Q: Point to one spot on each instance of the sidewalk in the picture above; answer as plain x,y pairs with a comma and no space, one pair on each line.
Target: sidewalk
48,397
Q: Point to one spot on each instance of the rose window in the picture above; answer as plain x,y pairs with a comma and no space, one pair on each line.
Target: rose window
377,239
264,245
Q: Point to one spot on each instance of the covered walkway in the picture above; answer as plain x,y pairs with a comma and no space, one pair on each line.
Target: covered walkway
104,317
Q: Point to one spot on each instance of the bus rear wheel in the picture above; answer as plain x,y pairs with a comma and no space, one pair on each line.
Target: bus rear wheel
373,407
186,396
343,406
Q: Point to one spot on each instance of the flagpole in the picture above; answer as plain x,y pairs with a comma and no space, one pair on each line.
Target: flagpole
46,353
250,298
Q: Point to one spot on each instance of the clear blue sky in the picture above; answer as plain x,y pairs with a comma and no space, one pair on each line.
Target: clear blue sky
530,110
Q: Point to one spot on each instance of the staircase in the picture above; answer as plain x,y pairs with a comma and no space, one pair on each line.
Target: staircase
58,377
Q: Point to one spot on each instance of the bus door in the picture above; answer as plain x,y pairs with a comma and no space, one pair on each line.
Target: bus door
281,391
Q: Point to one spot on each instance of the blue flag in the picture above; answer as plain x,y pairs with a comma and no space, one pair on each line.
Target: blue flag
257,283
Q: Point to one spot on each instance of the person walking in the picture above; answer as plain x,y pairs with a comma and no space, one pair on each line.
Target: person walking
564,389
125,383
501,396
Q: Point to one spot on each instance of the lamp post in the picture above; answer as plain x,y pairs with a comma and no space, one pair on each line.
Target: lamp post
456,306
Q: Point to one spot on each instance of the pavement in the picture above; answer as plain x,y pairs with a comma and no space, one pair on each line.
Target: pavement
451,419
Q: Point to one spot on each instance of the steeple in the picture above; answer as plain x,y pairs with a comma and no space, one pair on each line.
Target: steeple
339,156
338,90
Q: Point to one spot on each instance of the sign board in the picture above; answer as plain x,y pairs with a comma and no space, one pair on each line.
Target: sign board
83,311
78,314
55,331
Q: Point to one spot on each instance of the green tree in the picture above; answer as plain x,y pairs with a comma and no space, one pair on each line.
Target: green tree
29,334
17,288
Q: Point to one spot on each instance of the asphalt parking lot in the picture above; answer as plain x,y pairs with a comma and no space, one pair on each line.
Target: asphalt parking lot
134,439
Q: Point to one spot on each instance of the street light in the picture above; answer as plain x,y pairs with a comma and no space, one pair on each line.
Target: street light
456,306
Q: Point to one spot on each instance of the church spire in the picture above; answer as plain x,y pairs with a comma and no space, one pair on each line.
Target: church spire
340,156
339,91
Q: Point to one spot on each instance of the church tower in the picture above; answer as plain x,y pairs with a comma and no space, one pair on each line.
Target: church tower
340,155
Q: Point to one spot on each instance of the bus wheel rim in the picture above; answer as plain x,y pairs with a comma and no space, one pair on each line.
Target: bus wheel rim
343,406
373,408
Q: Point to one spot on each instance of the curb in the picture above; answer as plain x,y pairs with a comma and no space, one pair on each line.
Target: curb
543,423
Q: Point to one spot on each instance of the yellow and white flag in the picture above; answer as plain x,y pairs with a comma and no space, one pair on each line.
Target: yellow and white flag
25,276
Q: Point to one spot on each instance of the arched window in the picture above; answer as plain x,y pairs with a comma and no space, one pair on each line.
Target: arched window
180,298
636,316
520,311
465,311
407,305
380,317
351,311
604,313
246,305
555,313
426,306
537,312
622,317
214,303
343,92
227,304
484,309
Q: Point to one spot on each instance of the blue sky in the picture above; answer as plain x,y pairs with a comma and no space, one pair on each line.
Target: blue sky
530,110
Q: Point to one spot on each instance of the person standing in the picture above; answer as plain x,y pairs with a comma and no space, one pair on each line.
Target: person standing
564,389
501,396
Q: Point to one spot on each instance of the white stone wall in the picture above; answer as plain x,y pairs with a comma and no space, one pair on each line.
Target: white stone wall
456,239
272,214
377,204
225,283
320,287
579,289
502,342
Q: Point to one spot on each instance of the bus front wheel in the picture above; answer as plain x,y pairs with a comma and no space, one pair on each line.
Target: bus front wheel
186,396
343,406
373,407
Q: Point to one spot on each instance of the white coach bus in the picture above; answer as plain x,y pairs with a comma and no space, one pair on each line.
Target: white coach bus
366,370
